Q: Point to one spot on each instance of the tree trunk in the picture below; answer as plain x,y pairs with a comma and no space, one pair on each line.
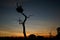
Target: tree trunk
23,24
24,31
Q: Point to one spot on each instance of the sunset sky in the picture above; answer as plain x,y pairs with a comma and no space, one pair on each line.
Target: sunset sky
45,17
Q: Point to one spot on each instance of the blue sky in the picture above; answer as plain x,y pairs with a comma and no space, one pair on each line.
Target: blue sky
46,15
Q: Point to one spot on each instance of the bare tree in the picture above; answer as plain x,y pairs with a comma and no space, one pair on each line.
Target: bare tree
20,10
23,23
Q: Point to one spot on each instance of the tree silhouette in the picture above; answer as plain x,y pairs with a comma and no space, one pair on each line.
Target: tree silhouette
20,10
32,37
58,32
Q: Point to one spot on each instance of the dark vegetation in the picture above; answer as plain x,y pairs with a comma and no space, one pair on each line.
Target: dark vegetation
31,37
34,37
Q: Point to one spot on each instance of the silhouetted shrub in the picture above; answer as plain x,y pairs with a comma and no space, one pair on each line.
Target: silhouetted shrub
32,37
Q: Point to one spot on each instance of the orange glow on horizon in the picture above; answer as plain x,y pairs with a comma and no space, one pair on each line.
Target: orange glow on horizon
13,34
